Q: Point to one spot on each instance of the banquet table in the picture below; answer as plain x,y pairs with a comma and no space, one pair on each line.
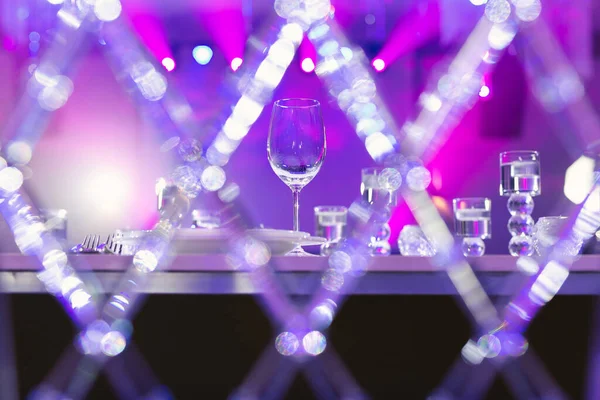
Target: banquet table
211,274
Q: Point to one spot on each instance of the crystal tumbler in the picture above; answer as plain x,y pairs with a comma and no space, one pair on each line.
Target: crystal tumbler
330,223
473,222
520,179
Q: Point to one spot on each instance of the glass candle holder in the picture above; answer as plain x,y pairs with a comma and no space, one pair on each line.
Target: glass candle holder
520,180
375,182
473,222
330,223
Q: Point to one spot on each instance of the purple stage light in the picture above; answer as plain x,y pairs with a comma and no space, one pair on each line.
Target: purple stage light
202,54
236,63
308,65
168,63
484,91
378,64
151,31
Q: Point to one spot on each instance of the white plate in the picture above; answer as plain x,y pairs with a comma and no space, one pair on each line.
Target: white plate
194,241
215,240
201,240
278,234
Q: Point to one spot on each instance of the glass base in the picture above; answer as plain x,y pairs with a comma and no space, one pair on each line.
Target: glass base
298,251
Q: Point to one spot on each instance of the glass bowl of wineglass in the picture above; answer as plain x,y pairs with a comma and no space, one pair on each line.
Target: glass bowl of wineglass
296,147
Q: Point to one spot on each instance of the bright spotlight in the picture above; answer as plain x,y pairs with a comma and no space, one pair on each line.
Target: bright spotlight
308,65
202,54
379,64
484,91
168,63
236,63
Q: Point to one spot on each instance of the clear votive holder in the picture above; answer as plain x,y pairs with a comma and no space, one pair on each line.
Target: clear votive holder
413,242
374,184
520,179
473,222
330,223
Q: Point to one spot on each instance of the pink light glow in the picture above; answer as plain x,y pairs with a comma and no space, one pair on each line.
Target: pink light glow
168,63
226,26
236,63
9,43
412,31
379,64
152,33
308,65
307,55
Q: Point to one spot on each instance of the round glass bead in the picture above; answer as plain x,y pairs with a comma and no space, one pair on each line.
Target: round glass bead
489,345
473,247
390,179
332,280
418,179
314,343
187,180
520,224
287,343
520,245
497,11
190,150
520,203
515,345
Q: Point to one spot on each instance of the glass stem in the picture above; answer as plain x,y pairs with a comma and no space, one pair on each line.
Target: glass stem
296,193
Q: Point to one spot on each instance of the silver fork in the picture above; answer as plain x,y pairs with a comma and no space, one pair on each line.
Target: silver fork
90,244
113,247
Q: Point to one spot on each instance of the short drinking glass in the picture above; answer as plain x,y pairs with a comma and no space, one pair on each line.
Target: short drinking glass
330,223
473,222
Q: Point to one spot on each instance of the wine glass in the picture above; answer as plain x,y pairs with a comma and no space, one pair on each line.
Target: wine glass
296,146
